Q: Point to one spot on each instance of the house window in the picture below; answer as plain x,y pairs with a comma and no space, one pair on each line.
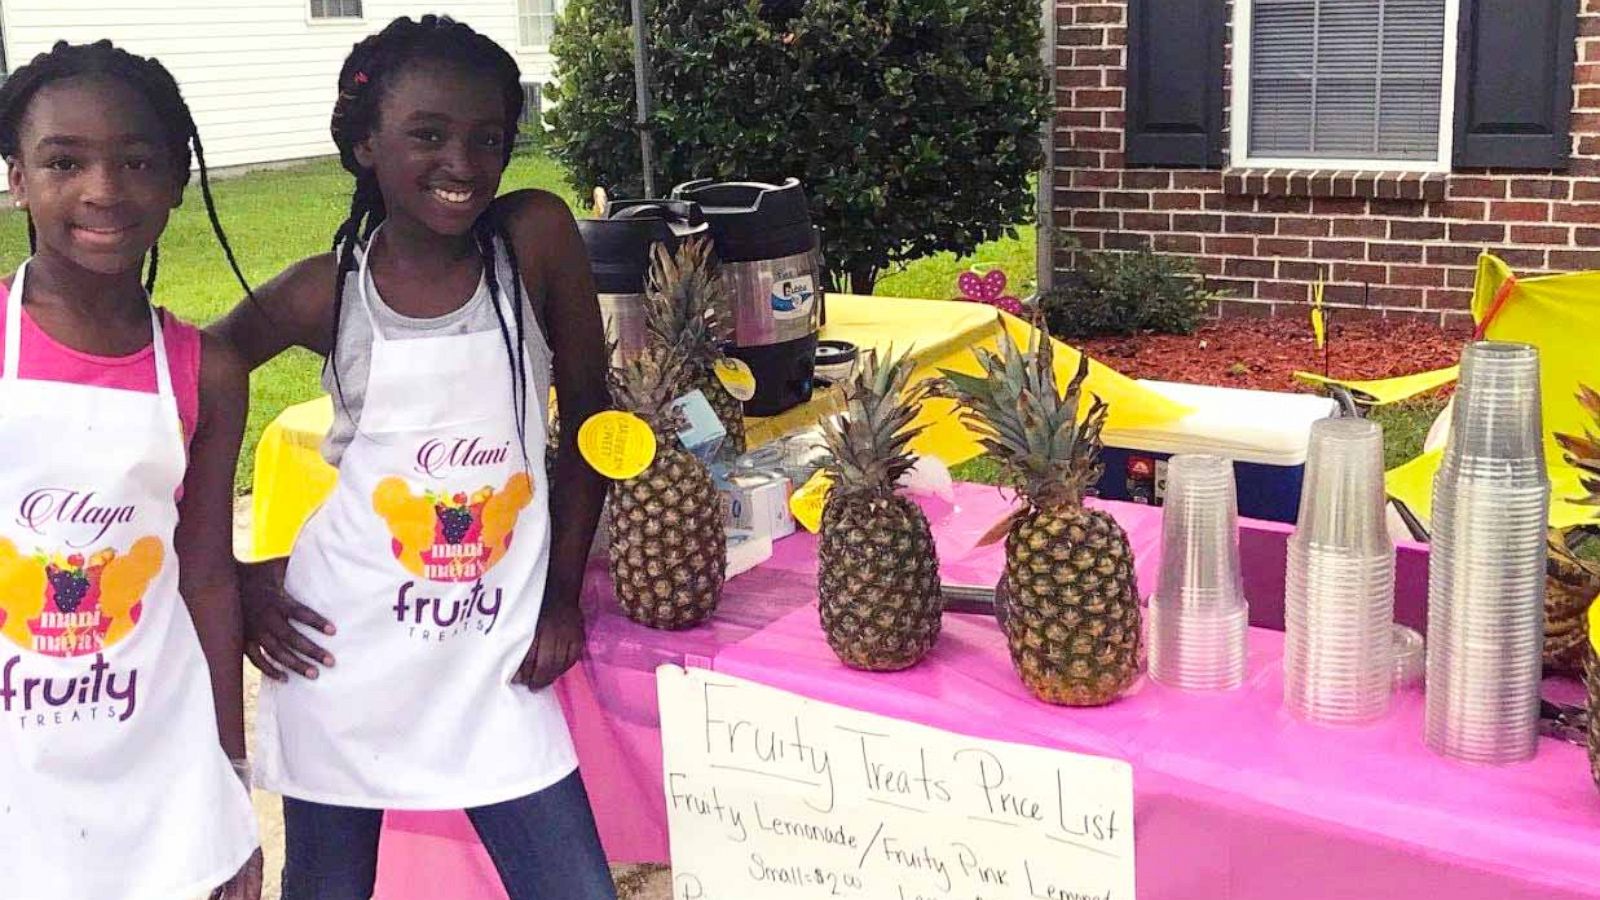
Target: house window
536,22
1354,84
532,112
335,9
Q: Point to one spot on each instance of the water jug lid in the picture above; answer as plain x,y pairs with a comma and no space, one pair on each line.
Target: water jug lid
680,215
753,220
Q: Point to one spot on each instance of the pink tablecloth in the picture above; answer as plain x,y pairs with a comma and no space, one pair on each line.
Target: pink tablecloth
1234,800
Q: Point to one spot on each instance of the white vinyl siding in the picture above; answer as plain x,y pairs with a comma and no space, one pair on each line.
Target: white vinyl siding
1346,83
259,76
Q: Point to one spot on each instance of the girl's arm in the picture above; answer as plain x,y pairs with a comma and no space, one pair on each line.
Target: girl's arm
552,255
204,539
294,309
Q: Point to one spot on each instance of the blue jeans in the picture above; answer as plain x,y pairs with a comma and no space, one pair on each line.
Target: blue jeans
544,846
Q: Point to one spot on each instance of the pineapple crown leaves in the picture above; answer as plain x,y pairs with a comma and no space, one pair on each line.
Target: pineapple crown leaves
1028,424
684,295
869,440
1582,451
648,383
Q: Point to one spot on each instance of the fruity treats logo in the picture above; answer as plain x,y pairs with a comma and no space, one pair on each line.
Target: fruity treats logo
450,536
67,604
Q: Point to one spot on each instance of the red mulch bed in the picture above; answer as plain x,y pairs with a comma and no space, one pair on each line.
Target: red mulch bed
1263,354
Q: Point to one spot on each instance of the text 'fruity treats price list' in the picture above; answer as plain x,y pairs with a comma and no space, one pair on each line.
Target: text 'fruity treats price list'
772,795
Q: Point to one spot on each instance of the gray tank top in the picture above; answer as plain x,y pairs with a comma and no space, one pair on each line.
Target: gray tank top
353,353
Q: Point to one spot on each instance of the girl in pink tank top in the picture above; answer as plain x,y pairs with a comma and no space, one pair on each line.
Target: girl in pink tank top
119,435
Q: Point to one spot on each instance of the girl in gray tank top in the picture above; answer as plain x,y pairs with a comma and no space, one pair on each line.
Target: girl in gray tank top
426,118
351,354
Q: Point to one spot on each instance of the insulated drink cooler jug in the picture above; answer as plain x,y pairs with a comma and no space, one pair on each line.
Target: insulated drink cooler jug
619,255
770,264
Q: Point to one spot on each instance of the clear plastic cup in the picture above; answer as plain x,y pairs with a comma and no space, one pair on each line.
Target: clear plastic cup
1496,415
1198,650
1342,497
1198,615
1339,583
1200,536
1408,657
1486,578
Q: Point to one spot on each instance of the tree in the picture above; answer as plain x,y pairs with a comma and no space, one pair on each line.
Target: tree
913,124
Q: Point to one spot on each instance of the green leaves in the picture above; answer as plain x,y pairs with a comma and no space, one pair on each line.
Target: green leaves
1582,451
1127,293
1027,424
913,124
869,441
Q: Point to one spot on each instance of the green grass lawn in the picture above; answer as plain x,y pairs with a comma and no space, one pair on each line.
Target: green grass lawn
934,277
275,217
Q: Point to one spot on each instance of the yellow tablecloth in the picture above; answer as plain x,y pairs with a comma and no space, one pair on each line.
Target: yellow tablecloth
291,478
1557,314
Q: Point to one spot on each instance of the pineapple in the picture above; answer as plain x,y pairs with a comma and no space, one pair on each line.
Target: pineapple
1072,604
879,574
1571,585
668,548
1583,452
1593,681
684,302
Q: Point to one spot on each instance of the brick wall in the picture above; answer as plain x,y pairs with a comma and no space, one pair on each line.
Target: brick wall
1396,246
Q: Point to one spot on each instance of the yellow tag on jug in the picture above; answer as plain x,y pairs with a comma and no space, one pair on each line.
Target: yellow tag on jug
619,445
807,502
736,376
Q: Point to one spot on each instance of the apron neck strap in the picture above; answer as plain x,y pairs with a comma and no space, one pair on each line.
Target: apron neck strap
363,254
159,345
13,325
364,278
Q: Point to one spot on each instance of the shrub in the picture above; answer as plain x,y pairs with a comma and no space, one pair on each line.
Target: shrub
1127,293
913,124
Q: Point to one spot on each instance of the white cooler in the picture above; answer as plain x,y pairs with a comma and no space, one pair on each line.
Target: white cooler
1263,432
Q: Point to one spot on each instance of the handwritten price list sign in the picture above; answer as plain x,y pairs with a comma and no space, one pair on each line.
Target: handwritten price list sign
770,795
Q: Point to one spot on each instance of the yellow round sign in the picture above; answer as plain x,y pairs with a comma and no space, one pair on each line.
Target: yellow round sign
736,376
807,502
1594,625
619,445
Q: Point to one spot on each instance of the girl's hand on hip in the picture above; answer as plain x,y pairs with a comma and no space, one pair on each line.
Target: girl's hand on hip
271,638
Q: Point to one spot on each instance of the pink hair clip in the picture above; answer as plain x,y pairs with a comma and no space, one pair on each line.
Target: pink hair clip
361,78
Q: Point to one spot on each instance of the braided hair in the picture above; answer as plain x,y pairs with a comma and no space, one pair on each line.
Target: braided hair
152,80
372,67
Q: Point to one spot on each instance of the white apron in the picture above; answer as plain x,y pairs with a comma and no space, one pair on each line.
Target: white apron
429,558
112,781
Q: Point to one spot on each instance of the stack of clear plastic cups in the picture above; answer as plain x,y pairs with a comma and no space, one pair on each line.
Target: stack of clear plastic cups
1486,576
1198,615
1339,589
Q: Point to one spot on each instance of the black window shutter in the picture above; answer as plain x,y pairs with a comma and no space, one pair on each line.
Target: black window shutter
1174,85
1514,83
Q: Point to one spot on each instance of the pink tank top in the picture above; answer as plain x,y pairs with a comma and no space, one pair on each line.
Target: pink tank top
46,359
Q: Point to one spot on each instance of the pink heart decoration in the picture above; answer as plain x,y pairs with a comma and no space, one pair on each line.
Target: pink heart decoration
1011,305
985,288
989,289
